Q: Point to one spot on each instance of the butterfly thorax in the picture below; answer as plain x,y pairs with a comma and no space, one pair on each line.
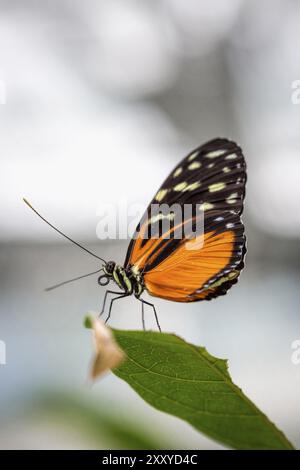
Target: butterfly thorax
130,280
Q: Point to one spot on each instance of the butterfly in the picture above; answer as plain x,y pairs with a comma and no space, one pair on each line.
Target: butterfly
211,180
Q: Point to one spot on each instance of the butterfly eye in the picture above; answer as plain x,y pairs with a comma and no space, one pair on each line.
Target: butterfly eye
103,280
110,266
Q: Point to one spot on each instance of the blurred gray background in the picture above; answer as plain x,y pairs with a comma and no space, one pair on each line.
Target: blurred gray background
99,100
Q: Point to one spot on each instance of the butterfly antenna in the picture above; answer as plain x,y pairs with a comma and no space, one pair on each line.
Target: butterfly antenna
71,280
60,232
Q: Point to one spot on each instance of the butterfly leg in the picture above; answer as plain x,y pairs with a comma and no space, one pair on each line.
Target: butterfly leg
111,304
143,317
104,300
154,311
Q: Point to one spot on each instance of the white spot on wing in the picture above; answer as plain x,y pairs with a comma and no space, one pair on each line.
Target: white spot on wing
215,153
231,156
161,194
232,198
180,187
192,186
206,206
177,172
194,165
216,187
193,156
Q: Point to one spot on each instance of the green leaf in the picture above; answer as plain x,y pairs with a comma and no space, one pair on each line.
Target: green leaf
186,381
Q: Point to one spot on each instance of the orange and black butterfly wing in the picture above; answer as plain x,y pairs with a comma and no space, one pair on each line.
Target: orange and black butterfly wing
185,274
212,176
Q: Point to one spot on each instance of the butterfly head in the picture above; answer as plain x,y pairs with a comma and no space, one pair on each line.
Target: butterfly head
108,269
